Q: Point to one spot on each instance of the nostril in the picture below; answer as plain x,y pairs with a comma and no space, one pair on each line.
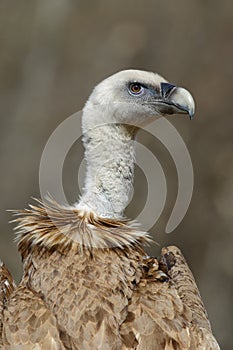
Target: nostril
166,89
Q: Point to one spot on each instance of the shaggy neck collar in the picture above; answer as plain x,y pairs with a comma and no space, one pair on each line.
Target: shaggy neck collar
53,227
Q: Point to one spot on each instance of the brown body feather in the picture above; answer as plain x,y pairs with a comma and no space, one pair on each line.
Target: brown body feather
7,286
80,291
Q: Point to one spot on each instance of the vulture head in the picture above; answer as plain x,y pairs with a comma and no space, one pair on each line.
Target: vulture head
116,109
135,97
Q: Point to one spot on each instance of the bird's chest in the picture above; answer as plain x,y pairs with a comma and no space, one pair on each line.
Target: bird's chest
80,289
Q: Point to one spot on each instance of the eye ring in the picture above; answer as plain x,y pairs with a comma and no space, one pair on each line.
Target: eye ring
135,88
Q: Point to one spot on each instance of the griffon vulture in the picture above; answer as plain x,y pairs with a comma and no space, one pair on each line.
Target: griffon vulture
88,283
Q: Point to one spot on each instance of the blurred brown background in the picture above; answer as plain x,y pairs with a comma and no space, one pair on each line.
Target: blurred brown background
52,54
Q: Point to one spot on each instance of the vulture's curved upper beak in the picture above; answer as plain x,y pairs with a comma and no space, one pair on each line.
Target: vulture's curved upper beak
176,100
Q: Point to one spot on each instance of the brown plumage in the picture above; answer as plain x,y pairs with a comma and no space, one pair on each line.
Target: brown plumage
88,283
7,285
143,303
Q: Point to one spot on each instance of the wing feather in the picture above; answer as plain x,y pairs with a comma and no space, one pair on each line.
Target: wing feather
167,314
7,286
28,324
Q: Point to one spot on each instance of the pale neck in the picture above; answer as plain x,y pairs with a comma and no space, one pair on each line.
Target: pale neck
109,153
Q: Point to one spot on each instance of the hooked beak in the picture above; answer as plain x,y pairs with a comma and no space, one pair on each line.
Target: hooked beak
176,100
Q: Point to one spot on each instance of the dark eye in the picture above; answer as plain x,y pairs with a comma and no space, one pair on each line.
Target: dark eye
135,88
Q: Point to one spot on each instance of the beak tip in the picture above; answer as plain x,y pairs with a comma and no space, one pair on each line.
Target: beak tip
191,114
184,100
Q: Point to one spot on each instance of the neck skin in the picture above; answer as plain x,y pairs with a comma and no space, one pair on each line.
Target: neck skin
109,153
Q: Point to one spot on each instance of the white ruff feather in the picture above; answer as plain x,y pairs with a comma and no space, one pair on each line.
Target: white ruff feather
52,226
